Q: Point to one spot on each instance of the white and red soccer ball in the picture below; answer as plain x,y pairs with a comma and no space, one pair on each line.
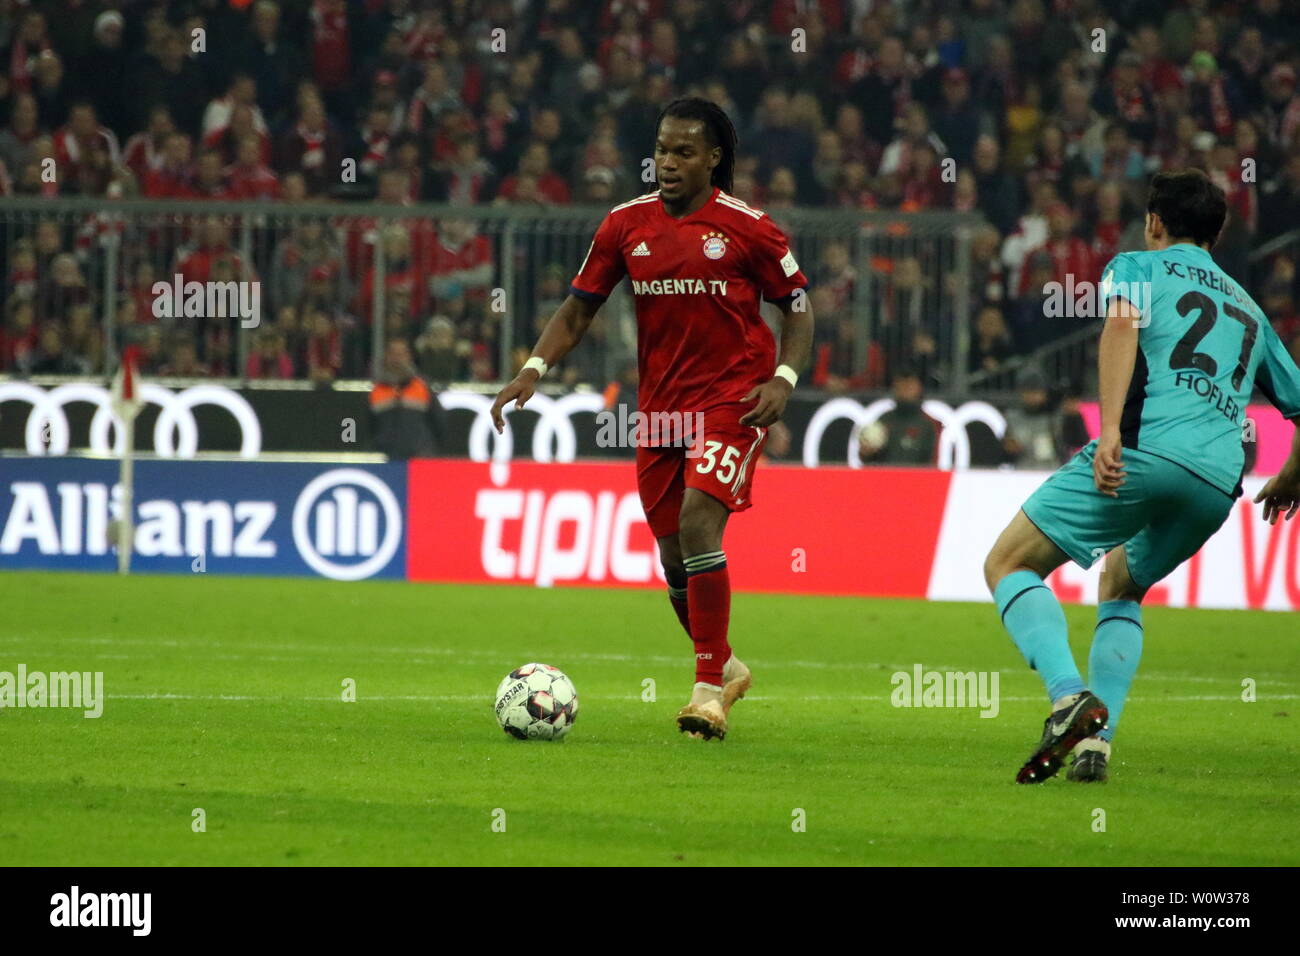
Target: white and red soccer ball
536,702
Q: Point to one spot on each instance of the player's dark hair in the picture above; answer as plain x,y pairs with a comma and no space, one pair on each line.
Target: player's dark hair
1189,204
717,130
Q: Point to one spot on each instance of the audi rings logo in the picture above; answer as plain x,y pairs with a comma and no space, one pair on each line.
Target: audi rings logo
175,435
347,525
954,443
553,439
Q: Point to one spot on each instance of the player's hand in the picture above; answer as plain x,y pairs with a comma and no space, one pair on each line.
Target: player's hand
772,397
520,391
1107,464
1281,497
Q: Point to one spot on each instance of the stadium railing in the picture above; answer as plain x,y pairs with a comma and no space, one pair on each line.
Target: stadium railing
505,269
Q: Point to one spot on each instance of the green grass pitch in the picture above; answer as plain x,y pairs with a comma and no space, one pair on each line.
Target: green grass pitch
225,694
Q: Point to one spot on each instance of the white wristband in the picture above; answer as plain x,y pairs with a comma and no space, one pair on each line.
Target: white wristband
538,364
787,373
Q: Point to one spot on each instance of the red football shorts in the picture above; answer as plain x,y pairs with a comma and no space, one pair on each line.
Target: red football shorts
721,465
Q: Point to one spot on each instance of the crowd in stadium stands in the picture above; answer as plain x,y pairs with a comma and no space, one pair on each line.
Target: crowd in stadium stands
1053,132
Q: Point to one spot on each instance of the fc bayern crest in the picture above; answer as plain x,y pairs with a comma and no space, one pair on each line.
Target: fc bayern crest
715,245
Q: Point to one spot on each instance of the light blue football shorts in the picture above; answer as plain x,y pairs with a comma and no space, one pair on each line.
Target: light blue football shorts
1163,514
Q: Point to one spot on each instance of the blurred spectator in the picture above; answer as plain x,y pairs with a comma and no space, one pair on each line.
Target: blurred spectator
309,248
1033,438
16,139
905,331
49,357
312,147
53,97
210,177
1126,99
172,177
249,177
73,142
433,98
145,152
443,358
1108,224
183,360
991,345
373,141
904,435
878,93
1070,256
545,184
269,358
168,76
241,124
19,337
324,348
998,191
199,262
780,143
835,367
103,72
913,133
958,122
271,59
62,287
405,278
406,417
331,51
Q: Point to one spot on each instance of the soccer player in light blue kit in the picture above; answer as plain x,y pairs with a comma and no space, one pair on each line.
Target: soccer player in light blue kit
1182,349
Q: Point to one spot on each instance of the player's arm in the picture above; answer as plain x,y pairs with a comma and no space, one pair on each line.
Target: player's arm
1279,380
1117,356
601,270
562,334
796,347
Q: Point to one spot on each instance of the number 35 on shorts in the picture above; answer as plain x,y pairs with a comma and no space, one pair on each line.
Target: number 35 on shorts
726,464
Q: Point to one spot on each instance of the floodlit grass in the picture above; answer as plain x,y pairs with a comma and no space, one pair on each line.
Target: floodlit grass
225,694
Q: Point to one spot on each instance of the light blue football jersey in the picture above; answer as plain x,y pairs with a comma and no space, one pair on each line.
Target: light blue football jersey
1203,347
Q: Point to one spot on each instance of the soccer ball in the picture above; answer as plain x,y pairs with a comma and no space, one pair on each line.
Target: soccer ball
536,702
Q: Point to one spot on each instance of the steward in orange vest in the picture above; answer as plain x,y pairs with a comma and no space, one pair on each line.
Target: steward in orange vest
406,418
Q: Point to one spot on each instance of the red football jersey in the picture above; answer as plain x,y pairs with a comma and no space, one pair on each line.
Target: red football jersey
697,283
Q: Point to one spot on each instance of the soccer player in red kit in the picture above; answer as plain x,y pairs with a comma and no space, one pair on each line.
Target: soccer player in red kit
699,261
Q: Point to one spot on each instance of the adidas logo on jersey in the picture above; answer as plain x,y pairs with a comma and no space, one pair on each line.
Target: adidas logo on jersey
641,250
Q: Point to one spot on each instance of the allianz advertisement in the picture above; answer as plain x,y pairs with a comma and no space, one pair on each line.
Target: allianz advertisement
237,517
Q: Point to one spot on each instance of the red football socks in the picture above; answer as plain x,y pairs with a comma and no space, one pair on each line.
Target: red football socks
708,589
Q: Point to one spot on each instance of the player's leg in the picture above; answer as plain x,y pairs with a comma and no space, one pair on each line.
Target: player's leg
1014,571
736,677
1112,661
718,482
702,522
1065,519
660,485
670,556
1186,511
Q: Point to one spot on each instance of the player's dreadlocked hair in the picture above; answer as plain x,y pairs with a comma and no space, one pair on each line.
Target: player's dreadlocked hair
717,128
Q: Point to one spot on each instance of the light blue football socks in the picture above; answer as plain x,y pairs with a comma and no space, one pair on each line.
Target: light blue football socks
1113,660
1033,617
